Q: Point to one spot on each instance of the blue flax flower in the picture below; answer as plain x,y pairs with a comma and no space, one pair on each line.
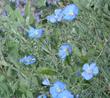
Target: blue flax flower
65,50
51,18
56,17
57,88
42,96
28,60
35,33
58,14
89,71
70,12
46,82
65,94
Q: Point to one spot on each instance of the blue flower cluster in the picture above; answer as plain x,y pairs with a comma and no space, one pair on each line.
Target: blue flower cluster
58,89
68,13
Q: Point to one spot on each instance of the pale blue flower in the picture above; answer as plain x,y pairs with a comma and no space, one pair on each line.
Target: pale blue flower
89,71
58,14
70,12
65,94
51,18
28,60
57,88
64,51
35,33
46,82
42,96
56,17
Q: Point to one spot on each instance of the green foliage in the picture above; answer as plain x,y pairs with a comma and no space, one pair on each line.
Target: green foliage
89,35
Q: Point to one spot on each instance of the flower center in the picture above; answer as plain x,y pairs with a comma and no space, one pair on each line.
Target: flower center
59,90
71,13
66,51
36,33
89,71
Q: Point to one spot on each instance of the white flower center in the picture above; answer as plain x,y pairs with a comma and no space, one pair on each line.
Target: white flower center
71,13
89,71
59,90
36,33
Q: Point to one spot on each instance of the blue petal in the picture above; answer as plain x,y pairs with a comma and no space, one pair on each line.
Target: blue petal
51,19
71,8
46,82
60,85
92,65
64,50
62,54
53,92
42,96
86,67
28,60
95,71
94,68
57,88
65,94
35,33
58,14
30,32
58,11
38,33
87,76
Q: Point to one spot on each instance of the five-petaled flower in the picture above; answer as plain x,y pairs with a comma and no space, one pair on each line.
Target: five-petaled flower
65,94
64,51
56,17
70,12
35,33
57,88
89,71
